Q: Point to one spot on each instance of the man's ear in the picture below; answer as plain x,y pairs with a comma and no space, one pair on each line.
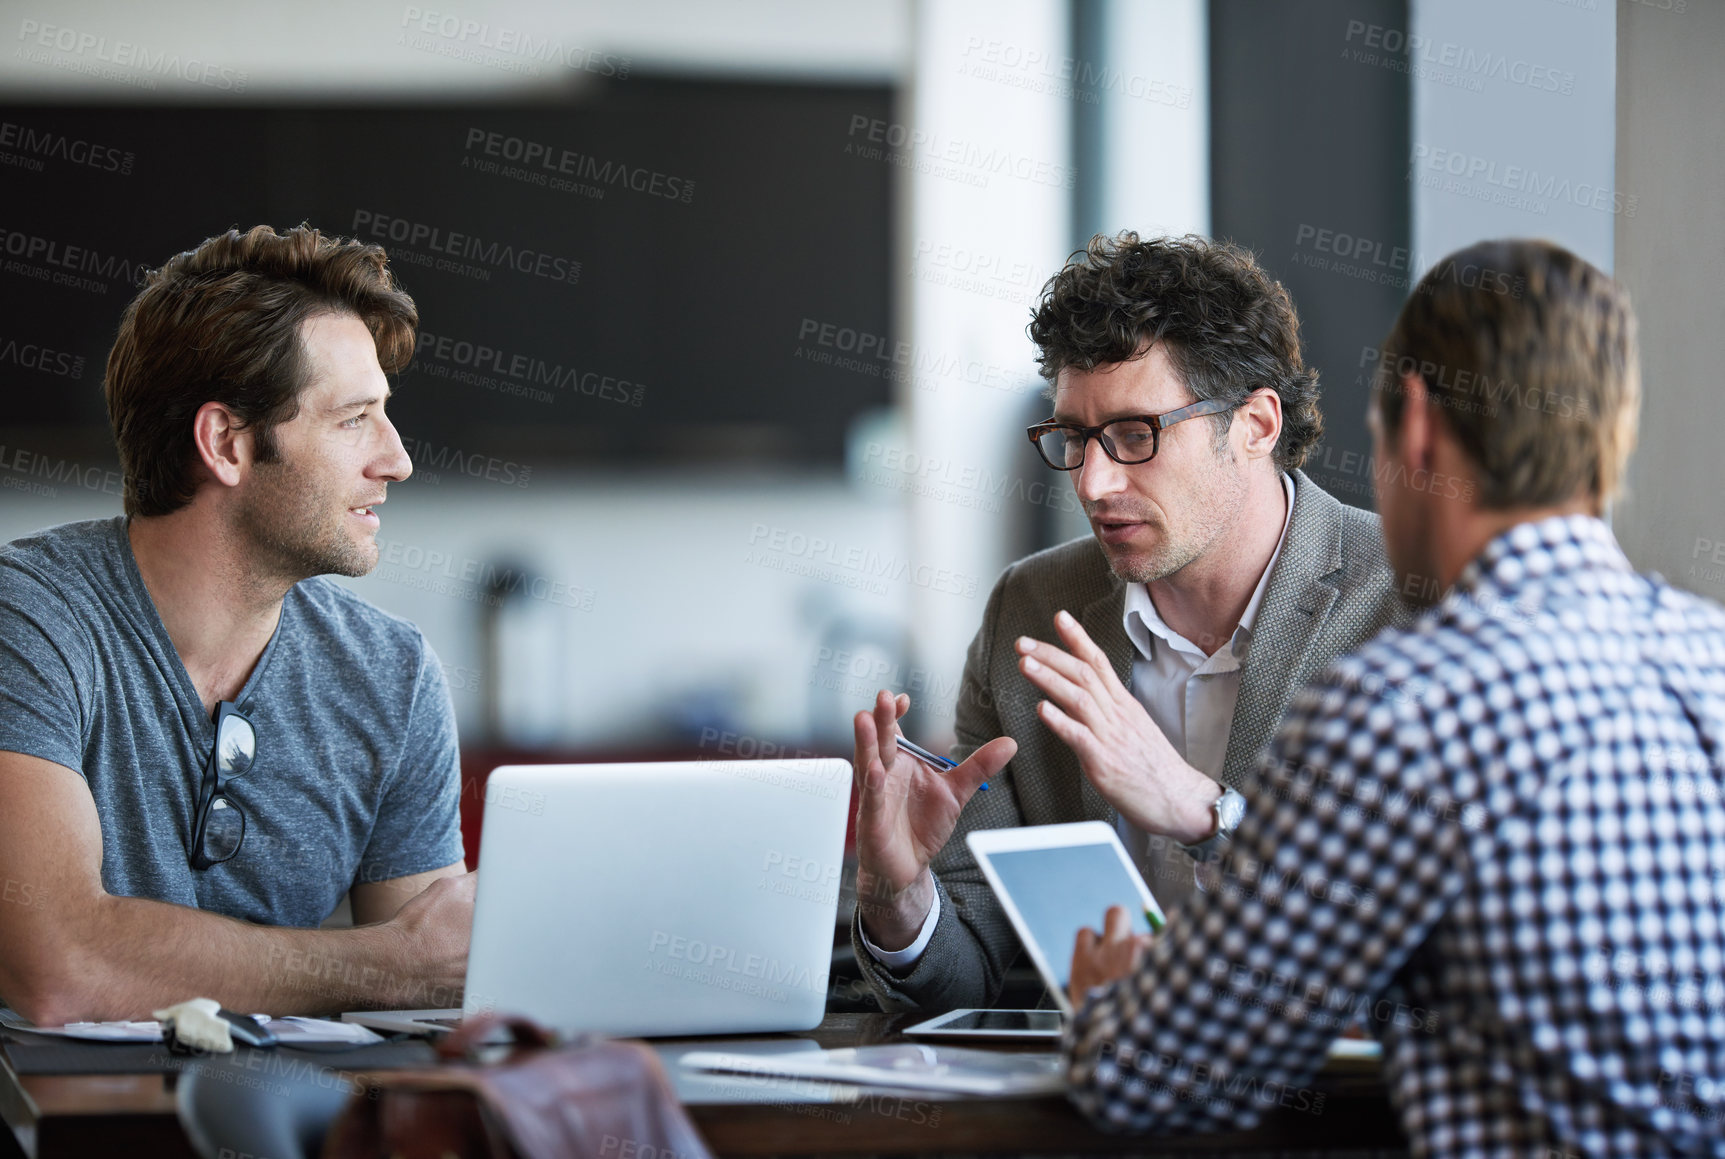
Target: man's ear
1413,437
223,445
1262,415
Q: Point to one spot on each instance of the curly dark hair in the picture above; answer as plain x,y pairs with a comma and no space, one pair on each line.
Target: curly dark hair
1229,328
220,323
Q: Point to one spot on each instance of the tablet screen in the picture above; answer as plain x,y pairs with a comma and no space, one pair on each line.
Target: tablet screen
1061,890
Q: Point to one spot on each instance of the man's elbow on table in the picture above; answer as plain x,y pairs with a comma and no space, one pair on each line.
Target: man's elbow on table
1081,1090
76,958
53,984
47,1007
1090,1097
1129,1089
1082,1054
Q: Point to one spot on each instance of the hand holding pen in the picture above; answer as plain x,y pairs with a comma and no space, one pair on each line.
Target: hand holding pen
932,759
908,803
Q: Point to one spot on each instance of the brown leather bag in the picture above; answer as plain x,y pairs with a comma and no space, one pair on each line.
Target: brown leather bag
591,1099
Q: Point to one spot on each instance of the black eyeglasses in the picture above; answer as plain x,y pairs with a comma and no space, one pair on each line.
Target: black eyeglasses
219,826
1127,441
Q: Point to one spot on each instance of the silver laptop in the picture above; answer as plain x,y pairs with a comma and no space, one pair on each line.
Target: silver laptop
677,898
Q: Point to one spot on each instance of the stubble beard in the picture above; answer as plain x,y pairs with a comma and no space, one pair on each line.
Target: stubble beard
1213,507
288,521
1158,563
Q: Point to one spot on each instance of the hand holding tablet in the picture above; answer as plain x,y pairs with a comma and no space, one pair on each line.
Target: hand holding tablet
1053,881
1099,960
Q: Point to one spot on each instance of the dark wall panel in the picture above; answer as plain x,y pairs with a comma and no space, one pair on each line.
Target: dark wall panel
1310,136
634,275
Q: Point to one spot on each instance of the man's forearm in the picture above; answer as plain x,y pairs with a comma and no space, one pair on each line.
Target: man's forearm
131,956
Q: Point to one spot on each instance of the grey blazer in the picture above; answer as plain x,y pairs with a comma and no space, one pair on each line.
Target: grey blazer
1331,591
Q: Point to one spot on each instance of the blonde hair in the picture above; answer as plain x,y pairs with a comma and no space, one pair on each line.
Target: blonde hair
1530,353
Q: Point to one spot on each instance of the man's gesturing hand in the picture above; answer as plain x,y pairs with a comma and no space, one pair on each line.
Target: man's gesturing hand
1119,748
1097,961
906,811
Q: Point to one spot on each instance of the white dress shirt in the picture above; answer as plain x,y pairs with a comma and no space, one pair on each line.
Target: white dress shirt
1190,696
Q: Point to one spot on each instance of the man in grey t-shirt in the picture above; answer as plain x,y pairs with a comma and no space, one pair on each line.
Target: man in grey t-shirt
247,390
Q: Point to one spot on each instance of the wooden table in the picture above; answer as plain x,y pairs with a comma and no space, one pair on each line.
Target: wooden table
61,1116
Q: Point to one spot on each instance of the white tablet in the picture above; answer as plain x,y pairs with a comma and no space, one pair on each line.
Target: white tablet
1054,880
1008,1024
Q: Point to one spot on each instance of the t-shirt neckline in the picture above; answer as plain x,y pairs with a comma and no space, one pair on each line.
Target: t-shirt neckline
188,692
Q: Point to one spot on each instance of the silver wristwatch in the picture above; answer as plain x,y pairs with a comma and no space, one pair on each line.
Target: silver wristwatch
1230,810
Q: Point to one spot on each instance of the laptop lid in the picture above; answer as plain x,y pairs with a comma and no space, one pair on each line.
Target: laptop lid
659,899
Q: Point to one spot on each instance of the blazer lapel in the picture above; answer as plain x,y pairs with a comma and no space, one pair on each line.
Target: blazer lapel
1103,622
1296,604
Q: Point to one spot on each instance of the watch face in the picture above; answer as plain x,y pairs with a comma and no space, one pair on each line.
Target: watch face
1230,809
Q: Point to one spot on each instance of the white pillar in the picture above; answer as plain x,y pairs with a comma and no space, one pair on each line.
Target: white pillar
987,186
1156,117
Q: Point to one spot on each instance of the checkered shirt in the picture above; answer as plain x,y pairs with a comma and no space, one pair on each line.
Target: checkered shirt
1496,838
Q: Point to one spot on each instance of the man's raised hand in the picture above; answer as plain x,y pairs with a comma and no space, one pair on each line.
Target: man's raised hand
1119,748
906,812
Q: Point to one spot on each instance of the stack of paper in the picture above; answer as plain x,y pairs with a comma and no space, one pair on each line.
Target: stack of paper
291,1031
930,1068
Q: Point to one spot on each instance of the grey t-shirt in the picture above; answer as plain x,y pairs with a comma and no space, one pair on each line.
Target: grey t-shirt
357,776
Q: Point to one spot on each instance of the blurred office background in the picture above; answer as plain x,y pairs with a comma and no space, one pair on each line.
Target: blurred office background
717,415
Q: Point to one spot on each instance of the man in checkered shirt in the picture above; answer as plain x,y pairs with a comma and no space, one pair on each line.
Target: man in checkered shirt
1497,837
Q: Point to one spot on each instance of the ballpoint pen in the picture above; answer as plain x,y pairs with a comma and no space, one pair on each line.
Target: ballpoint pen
928,758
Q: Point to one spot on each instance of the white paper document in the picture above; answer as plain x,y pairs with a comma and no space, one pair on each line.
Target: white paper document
931,1068
290,1031
963,1070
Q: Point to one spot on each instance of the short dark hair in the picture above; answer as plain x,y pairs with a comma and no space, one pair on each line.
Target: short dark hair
1228,327
1530,352
220,323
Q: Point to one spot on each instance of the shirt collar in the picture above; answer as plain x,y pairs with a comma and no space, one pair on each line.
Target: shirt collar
1533,551
1142,620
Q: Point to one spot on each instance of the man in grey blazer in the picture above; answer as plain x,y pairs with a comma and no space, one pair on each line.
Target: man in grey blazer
1130,677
